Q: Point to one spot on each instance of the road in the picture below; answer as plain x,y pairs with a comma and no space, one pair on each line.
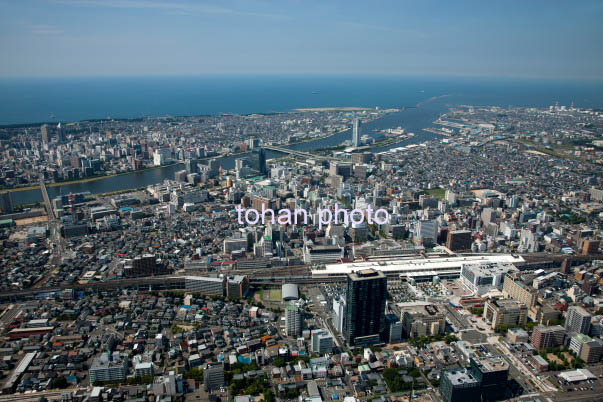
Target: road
52,395
53,224
543,386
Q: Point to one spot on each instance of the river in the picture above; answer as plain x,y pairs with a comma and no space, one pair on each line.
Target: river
412,119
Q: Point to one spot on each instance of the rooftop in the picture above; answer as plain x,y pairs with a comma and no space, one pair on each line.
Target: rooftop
416,263
490,364
459,377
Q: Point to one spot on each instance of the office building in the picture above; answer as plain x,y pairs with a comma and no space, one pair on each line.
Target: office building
515,289
577,341
338,313
578,320
492,373
145,265
590,247
45,133
459,385
459,240
293,320
7,202
393,329
505,313
234,244
237,287
318,254
422,320
258,160
365,306
356,133
168,385
426,232
61,134
547,337
191,166
482,278
592,351
144,369
343,169
322,341
205,285
109,367
213,376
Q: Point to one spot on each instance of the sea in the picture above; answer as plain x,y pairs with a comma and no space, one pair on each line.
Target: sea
38,100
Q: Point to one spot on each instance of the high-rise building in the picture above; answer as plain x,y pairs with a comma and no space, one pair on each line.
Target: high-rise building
258,160
459,385
505,313
322,341
237,286
365,306
356,133
578,320
492,373
338,313
590,246
393,329
459,240
485,380
7,202
293,320
213,376
191,166
546,337
591,351
45,133
426,231
515,289
60,134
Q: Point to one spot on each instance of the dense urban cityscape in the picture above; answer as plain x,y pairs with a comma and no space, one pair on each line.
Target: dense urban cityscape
301,201
483,284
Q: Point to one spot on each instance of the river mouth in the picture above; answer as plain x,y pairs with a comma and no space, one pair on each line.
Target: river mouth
411,119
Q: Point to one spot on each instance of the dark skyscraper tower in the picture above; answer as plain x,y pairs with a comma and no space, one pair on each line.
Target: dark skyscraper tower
191,166
365,307
258,160
60,134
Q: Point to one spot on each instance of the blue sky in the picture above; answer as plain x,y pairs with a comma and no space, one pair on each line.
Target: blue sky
526,38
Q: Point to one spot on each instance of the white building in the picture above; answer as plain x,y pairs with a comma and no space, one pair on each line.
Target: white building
338,313
109,367
322,341
293,320
482,278
161,156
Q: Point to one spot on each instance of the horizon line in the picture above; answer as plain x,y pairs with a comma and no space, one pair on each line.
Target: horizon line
308,75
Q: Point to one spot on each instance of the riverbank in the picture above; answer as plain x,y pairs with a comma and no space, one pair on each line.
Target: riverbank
82,181
333,109
411,119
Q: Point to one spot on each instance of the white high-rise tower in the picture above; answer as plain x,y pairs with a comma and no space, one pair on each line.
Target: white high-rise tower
356,133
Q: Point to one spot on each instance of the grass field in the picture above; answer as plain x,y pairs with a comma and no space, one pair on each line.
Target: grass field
275,294
435,192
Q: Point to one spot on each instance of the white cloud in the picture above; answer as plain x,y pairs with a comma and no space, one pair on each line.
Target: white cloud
45,30
178,8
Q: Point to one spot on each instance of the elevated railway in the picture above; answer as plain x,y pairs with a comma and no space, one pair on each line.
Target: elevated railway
268,277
